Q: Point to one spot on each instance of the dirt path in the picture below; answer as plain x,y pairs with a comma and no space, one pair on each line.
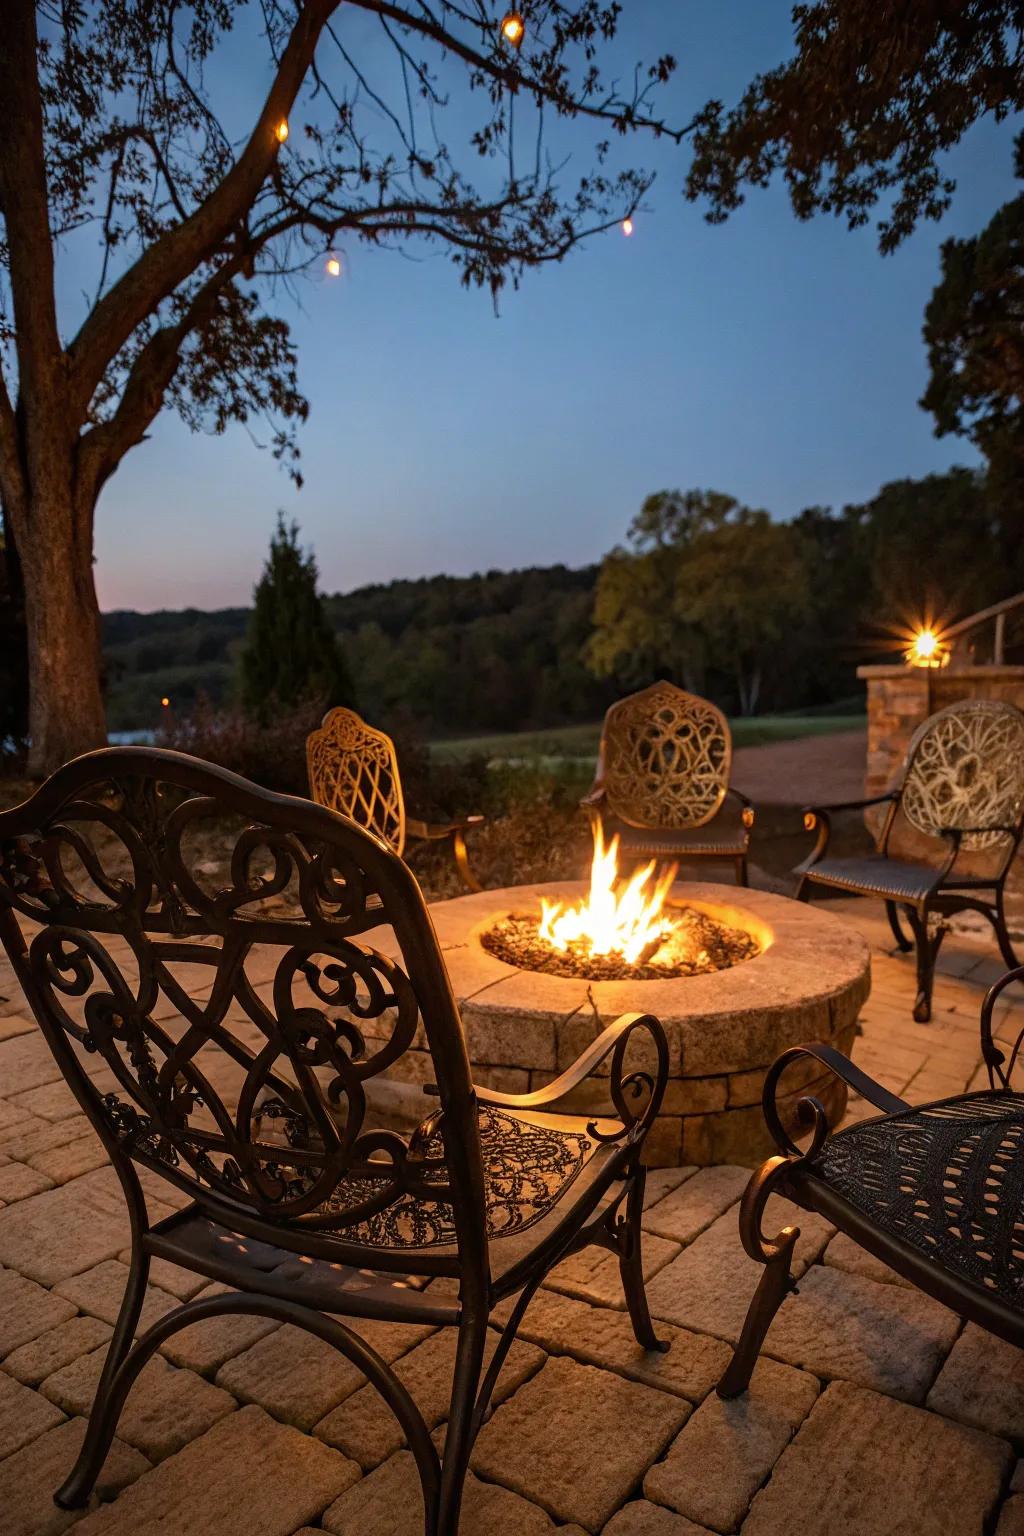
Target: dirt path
815,770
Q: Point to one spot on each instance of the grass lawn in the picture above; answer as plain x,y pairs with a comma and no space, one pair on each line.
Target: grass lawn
580,741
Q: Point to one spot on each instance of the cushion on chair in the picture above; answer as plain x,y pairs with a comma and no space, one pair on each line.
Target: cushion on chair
876,875
945,1178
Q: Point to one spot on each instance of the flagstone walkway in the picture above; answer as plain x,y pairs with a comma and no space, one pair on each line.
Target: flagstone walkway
876,1410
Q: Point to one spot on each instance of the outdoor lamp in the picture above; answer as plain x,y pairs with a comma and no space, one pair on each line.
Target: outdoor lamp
281,131
927,649
332,266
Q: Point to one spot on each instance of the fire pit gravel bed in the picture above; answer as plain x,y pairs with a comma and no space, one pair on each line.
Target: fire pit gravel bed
697,944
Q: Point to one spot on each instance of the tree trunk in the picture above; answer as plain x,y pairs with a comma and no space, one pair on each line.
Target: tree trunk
66,713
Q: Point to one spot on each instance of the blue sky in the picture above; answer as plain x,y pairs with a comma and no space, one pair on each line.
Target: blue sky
775,360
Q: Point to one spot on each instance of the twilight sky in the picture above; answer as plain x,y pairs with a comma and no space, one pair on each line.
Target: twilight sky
778,361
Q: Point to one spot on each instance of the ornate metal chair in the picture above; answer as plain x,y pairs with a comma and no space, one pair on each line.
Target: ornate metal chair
242,1034
934,1191
963,784
353,769
662,780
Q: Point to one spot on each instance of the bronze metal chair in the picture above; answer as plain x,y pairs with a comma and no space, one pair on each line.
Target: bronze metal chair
963,786
353,769
934,1191
662,780
243,1018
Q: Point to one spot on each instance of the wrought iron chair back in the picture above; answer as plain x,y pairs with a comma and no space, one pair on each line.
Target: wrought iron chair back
353,769
664,759
140,959
965,773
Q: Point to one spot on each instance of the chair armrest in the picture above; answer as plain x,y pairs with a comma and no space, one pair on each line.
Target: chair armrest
434,831
994,1057
613,1041
747,811
594,796
819,818
838,1064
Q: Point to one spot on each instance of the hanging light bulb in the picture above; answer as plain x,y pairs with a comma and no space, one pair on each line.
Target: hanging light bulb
627,226
513,29
165,702
332,266
281,131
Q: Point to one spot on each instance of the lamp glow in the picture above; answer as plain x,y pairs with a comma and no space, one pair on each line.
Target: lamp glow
332,267
513,29
927,649
165,701
281,131
627,226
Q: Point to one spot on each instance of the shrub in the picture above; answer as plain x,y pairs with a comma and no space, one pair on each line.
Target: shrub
273,755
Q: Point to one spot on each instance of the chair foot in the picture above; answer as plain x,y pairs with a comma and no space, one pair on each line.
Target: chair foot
923,1007
928,946
772,1289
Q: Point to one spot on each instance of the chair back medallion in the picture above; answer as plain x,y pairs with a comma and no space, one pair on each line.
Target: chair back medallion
665,757
965,769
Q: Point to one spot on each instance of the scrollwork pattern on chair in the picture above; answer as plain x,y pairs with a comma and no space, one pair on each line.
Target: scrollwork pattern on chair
353,769
965,771
666,758
141,960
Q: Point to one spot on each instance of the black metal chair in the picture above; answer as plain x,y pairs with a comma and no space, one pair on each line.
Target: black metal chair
963,785
248,1093
662,781
934,1190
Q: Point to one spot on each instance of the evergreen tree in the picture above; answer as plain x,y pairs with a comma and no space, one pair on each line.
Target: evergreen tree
291,652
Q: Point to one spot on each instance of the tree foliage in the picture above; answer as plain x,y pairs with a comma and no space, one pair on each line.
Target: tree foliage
974,330
863,113
291,653
707,581
174,167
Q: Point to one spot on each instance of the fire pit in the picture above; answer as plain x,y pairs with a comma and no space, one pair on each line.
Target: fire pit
807,979
734,975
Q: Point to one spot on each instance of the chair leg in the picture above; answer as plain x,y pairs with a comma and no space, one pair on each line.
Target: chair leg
927,953
76,1489
741,870
772,1290
902,942
459,1436
1002,932
803,889
629,1234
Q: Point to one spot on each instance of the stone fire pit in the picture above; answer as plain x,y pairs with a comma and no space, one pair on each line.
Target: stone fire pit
724,1028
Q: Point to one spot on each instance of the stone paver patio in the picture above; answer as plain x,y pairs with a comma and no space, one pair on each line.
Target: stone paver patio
875,1410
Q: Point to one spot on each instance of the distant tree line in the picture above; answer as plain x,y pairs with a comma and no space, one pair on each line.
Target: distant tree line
760,615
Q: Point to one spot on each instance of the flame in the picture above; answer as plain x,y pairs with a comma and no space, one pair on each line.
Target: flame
627,921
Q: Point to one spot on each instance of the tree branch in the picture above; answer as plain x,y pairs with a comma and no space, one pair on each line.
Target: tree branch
103,446
176,254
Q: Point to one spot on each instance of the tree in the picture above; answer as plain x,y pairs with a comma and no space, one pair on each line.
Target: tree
110,132
639,625
709,584
291,653
975,337
877,91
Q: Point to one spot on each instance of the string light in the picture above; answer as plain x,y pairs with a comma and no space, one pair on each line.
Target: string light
281,131
332,266
165,701
513,29
627,226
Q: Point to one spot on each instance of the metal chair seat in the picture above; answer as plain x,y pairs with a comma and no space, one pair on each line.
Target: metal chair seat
946,1178
876,875
673,843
